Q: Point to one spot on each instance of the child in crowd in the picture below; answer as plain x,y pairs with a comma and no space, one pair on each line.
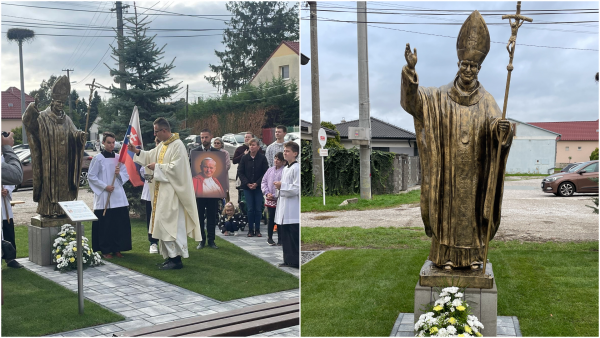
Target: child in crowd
231,220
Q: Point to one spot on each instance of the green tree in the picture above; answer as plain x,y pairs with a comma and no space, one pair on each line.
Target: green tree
147,88
332,143
18,137
594,155
255,30
44,93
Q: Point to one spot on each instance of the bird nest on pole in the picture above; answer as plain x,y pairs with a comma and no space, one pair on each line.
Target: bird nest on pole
20,34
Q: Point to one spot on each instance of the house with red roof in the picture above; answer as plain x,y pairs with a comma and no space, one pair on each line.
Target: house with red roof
578,140
284,63
11,108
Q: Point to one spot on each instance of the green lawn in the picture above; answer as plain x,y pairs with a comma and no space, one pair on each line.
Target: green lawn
34,306
551,287
310,203
224,274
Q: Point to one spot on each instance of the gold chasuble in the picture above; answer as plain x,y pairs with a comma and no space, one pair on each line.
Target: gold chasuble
458,139
171,191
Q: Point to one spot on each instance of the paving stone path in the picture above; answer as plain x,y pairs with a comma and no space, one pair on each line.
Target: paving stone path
144,300
508,326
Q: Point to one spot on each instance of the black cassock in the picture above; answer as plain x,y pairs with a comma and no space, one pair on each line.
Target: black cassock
111,233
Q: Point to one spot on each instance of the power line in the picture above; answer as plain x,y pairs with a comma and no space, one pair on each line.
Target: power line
80,43
101,59
454,37
376,12
112,36
443,24
203,16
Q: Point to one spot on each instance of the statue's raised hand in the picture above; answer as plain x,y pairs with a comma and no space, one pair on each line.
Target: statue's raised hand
411,59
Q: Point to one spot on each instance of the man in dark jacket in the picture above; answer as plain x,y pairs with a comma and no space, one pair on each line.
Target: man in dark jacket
251,170
207,207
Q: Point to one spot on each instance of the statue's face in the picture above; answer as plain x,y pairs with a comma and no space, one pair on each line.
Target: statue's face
208,168
468,71
58,105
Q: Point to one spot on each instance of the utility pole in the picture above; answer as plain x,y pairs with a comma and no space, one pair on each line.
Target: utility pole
363,100
69,78
119,9
22,91
187,90
316,103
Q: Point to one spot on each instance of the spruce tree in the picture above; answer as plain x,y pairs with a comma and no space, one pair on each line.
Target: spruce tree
147,83
147,80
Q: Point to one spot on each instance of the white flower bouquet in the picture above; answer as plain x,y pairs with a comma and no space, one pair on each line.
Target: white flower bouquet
449,316
64,252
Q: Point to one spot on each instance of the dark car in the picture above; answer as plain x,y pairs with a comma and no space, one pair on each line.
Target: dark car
90,145
569,167
25,158
580,179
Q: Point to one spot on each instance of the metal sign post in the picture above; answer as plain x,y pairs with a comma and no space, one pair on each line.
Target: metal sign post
78,211
322,141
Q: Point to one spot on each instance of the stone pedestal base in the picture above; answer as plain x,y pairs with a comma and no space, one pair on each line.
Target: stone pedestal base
483,303
42,232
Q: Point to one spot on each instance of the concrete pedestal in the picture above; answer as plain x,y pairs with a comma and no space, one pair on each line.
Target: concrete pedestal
483,303
42,232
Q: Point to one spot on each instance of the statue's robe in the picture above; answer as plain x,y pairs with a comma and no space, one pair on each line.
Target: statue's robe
174,211
56,158
458,140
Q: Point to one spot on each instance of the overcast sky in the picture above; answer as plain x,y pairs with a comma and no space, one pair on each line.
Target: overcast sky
548,84
48,55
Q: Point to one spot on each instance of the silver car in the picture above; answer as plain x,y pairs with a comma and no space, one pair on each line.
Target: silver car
231,142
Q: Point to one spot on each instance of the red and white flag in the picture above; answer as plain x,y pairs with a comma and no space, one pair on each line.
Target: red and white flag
134,136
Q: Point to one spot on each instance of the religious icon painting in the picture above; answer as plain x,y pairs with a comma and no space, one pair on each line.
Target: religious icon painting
209,174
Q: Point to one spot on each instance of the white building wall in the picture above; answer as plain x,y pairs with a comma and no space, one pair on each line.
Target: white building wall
533,150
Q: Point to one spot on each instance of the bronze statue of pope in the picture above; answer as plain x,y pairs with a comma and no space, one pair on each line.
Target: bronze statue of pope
56,150
459,130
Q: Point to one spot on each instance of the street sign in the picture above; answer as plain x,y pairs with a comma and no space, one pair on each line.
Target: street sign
322,137
323,152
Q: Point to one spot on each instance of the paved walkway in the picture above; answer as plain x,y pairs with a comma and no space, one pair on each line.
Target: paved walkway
508,326
258,247
144,300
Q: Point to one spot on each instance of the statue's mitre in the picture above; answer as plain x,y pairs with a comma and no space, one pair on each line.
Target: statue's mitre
473,41
61,89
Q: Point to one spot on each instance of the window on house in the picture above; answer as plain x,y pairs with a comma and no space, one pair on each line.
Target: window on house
10,105
285,72
578,148
566,148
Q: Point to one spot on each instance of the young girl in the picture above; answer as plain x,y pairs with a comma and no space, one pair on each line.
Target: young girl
231,221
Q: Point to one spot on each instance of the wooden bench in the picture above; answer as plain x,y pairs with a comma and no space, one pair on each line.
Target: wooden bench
240,322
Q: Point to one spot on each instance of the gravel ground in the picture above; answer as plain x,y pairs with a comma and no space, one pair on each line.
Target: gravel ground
308,255
528,214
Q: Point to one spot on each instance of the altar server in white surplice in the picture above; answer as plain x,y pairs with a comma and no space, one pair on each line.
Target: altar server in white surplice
111,233
174,211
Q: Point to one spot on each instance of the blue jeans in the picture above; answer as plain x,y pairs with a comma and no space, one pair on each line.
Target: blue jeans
254,202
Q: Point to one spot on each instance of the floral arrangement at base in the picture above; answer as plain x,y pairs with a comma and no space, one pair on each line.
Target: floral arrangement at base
64,252
450,316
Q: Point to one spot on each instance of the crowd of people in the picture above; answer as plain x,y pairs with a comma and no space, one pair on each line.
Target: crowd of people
269,182
175,210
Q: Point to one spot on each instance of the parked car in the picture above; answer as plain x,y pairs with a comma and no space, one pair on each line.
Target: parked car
569,167
231,142
25,158
292,137
581,179
118,146
90,145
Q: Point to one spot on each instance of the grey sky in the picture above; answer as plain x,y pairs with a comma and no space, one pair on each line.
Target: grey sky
48,55
547,84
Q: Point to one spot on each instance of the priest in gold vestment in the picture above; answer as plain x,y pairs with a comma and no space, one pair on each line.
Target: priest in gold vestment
174,212
459,131
56,149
